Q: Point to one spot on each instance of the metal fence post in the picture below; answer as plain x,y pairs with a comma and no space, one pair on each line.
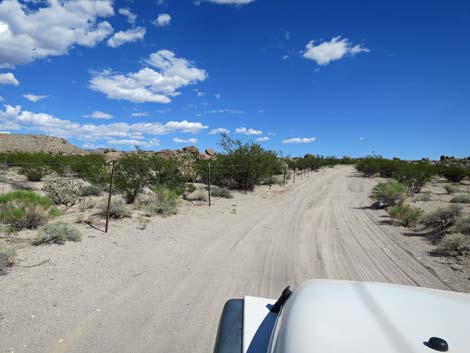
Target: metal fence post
295,172
209,183
109,197
285,177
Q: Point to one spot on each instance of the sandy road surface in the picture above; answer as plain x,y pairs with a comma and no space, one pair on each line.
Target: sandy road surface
162,290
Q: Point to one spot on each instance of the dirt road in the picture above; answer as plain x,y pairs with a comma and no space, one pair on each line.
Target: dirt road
162,290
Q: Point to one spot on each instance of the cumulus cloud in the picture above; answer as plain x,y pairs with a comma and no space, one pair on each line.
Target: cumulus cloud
130,142
263,139
245,131
131,17
33,97
155,83
219,130
8,78
162,20
129,36
299,140
335,49
28,33
190,140
99,115
13,118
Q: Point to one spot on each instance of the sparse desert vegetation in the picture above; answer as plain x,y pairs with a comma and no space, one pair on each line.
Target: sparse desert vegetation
57,233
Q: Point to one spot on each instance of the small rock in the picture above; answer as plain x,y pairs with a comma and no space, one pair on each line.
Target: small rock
210,152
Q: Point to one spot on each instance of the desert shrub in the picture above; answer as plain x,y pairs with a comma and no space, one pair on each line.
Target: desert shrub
25,209
34,172
63,192
57,233
190,188
168,172
413,176
117,208
406,215
451,188
443,218
164,201
88,205
453,173
142,223
463,225
453,244
390,192
90,190
131,175
7,257
198,195
424,196
462,198
221,192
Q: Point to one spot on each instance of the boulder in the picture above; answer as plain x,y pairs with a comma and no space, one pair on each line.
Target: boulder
191,149
210,152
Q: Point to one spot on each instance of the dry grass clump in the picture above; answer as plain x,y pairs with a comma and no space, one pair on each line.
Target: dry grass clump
462,198
7,257
198,195
57,233
221,192
454,244
442,218
117,208
90,190
451,188
463,225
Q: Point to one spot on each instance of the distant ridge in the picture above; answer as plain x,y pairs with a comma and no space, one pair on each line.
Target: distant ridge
37,143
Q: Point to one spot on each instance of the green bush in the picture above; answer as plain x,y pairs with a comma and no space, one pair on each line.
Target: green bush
453,244
406,215
390,192
462,198
57,233
453,173
34,172
117,208
443,218
25,209
463,225
221,192
131,175
164,201
90,190
63,192
7,257
414,176
451,188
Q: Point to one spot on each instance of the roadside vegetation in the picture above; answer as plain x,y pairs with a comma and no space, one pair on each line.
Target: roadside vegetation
448,227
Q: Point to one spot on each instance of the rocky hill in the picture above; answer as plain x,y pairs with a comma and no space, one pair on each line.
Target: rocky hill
37,143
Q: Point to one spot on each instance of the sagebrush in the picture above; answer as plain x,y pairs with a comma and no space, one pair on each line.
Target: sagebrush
57,233
7,257
117,208
453,244
443,218
406,215
462,198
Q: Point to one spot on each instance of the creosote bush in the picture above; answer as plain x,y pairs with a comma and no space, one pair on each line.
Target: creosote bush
406,215
63,192
462,198
25,209
90,190
35,172
7,257
57,233
390,192
453,244
443,218
117,208
463,225
453,173
221,192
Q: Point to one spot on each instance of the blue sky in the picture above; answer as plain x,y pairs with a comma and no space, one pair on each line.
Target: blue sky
334,78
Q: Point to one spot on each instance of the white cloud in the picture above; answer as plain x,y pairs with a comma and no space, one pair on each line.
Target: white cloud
8,78
226,2
162,20
148,84
2,99
263,139
191,140
245,131
99,115
201,94
221,111
299,140
131,17
28,33
34,98
219,130
218,95
138,115
5,132
361,138
130,142
335,49
129,36
16,119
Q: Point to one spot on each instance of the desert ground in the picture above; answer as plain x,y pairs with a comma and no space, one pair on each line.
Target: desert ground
162,289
